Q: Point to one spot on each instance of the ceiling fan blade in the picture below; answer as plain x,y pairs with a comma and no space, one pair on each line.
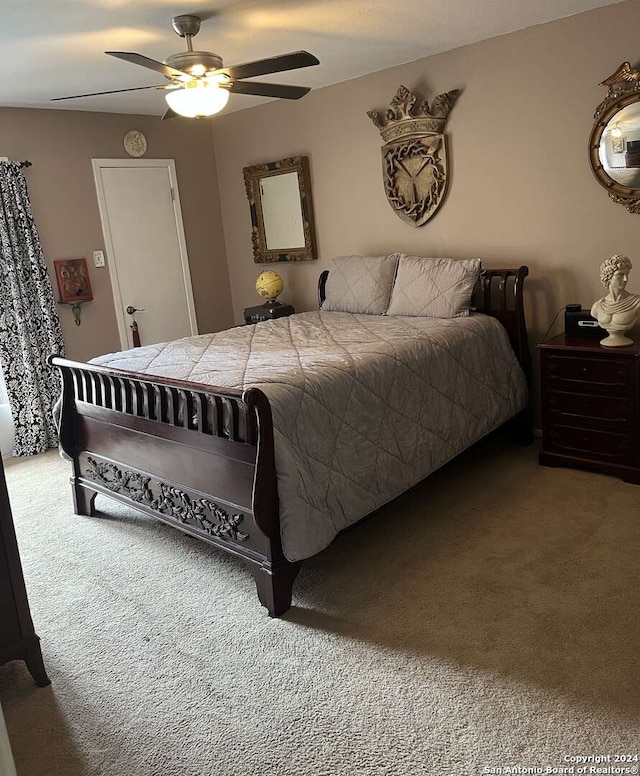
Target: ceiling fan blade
113,91
269,90
151,64
169,114
278,64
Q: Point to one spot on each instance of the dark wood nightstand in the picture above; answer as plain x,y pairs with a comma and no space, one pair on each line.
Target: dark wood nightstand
267,312
591,406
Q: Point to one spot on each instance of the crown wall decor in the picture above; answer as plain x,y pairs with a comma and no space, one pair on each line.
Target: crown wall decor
414,154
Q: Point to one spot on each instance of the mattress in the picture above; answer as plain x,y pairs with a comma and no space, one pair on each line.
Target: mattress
363,406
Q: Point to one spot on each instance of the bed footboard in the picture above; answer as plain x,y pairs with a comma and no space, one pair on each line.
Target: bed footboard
197,457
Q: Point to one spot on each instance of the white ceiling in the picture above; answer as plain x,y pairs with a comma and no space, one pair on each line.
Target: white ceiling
53,48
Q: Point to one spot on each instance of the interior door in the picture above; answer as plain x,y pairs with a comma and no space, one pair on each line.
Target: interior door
146,248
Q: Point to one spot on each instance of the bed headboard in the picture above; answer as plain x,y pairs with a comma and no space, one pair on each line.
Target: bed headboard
499,293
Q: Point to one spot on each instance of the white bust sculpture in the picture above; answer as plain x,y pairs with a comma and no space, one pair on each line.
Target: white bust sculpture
618,311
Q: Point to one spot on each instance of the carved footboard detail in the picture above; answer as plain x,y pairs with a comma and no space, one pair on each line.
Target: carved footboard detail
200,513
197,457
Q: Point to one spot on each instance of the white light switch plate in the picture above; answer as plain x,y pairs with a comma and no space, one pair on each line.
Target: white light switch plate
98,258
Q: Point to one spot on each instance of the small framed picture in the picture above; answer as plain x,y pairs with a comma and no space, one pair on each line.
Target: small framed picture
617,145
73,280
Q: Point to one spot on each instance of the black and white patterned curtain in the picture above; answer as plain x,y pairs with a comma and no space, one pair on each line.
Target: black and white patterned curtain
29,324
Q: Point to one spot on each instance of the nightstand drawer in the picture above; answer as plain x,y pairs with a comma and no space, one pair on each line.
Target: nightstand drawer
588,374
581,409
590,443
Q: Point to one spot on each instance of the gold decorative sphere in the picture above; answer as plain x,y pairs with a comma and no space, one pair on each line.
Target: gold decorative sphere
269,285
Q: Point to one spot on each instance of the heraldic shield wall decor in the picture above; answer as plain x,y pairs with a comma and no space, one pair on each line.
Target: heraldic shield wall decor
414,154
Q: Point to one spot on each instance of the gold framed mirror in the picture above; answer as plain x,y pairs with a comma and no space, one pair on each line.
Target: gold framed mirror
282,225
614,145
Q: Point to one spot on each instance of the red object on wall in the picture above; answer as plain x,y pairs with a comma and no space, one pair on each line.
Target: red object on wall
73,280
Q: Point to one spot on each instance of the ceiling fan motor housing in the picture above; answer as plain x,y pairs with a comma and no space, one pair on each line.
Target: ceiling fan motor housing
186,60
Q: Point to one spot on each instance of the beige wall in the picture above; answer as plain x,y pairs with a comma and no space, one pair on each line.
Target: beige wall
61,145
521,189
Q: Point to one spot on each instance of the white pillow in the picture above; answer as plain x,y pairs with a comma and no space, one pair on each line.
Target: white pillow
360,284
434,288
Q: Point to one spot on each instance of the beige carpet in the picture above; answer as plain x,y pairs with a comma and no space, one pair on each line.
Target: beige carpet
488,618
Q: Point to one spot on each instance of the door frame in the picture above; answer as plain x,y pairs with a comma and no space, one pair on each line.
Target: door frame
170,165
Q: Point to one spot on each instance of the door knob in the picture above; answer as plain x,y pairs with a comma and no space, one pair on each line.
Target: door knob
131,310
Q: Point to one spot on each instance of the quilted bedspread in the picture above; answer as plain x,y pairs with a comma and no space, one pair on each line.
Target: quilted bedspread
363,406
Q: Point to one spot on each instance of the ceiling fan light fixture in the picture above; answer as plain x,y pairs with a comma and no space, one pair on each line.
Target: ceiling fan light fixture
197,99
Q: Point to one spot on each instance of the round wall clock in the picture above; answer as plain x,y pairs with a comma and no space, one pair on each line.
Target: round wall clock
135,143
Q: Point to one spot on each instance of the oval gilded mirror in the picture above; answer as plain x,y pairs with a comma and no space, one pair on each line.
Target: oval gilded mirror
614,145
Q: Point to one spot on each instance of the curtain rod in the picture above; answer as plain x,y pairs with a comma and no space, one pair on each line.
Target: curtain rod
20,164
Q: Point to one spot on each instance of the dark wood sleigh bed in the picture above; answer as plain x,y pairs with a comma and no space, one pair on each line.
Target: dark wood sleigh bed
201,458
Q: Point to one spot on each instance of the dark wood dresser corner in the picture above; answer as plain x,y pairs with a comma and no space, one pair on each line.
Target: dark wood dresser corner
590,397
18,640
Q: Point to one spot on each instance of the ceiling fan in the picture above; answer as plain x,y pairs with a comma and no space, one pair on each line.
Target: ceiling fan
199,84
